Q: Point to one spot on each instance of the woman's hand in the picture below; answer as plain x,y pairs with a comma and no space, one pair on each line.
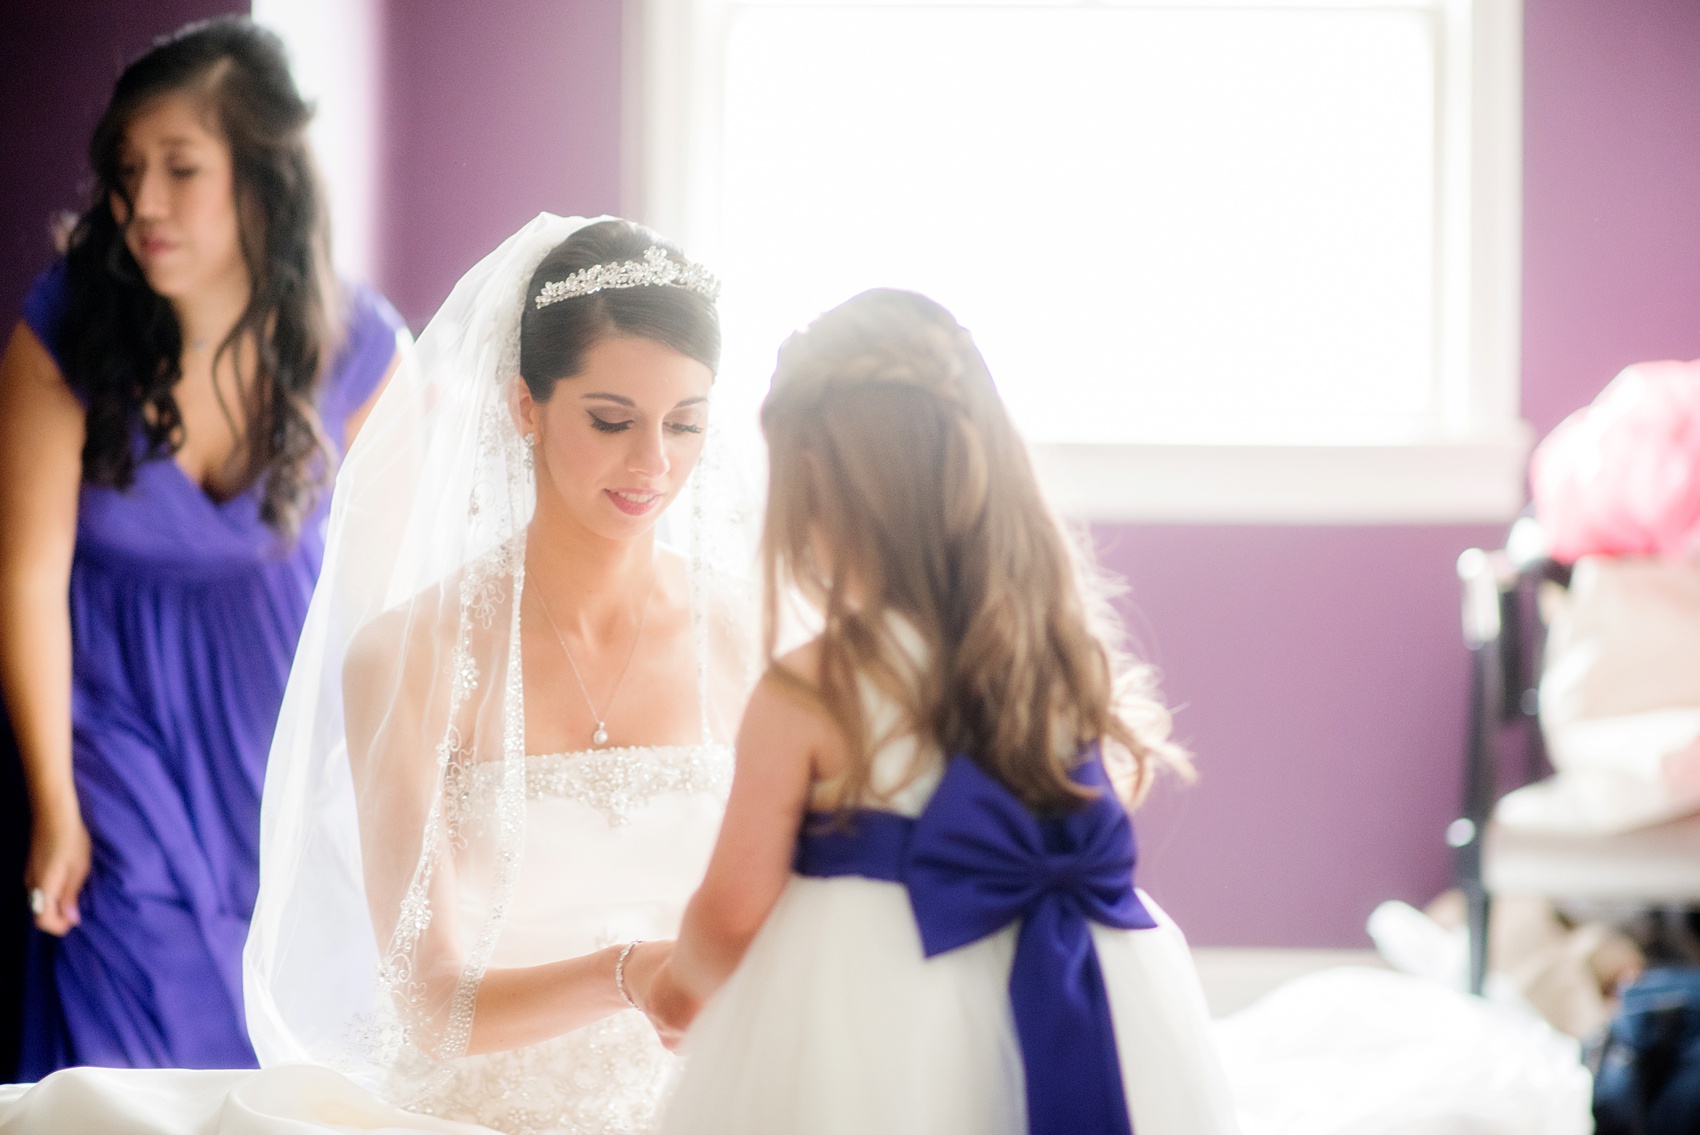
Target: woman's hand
41,446
671,1009
661,1000
57,867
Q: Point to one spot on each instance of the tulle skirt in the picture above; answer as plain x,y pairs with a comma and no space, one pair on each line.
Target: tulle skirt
836,1023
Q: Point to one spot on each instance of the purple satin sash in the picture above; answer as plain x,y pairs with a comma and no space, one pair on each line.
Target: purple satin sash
976,860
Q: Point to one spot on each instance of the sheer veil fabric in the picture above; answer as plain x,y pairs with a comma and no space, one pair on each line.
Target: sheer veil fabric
394,813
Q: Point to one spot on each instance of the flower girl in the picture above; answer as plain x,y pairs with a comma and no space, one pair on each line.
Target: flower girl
920,914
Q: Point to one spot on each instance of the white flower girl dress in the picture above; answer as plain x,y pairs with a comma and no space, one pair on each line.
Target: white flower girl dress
838,1022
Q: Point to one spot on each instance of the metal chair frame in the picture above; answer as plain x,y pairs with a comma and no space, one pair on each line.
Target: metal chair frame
1505,637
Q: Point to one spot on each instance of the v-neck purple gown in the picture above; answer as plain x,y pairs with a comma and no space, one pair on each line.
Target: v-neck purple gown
185,615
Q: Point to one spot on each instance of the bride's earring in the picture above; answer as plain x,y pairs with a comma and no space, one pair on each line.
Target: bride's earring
529,457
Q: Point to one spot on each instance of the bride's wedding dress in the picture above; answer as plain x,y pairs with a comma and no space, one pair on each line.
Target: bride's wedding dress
615,842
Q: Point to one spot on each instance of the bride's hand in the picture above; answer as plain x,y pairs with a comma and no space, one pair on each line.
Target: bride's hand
642,965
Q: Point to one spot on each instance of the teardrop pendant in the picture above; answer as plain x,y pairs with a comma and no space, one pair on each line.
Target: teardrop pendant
600,737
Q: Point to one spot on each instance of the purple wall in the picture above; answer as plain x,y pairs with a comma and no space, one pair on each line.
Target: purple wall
1319,671
491,113
1611,199
1319,678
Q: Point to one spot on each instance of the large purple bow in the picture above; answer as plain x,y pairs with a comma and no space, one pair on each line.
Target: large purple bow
976,860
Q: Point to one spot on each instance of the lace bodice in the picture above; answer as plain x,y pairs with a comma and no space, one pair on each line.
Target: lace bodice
617,781
616,841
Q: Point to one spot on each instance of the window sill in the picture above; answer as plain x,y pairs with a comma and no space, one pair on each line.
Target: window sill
1453,482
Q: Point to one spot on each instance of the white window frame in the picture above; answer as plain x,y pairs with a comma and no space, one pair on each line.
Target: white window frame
333,51
1468,468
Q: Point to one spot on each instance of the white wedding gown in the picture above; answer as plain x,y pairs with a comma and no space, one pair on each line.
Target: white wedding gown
615,842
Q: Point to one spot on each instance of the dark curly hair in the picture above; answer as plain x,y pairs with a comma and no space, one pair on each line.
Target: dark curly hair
122,346
554,339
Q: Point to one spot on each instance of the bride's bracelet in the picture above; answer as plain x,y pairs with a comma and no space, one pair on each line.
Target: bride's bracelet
620,970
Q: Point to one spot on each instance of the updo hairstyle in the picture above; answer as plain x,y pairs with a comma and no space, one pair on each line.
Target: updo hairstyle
553,340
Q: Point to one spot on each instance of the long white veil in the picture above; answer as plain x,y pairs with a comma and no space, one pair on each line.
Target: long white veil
394,807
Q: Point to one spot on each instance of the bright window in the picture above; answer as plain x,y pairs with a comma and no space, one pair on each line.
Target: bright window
1173,228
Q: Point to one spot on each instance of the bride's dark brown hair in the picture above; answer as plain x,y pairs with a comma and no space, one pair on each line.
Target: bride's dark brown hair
553,339
122,346
899,484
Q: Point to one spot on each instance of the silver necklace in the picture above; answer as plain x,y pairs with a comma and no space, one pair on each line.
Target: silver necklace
600,736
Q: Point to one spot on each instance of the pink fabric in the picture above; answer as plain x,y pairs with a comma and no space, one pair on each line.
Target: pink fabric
1621,477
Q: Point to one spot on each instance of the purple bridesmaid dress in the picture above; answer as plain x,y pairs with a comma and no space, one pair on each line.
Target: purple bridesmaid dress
185,614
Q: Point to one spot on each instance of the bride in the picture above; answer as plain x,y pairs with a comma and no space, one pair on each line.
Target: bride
502,757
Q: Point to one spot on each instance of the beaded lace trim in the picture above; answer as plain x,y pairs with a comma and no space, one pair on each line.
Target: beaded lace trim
617,782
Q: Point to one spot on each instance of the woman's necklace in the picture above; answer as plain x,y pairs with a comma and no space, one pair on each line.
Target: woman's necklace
600,737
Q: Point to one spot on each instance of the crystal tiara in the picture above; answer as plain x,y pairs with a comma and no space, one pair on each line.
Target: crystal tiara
656,269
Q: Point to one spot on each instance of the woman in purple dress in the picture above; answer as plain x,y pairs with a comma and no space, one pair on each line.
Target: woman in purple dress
172,408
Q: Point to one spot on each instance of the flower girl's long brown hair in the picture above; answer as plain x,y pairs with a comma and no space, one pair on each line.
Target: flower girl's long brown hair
899,484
